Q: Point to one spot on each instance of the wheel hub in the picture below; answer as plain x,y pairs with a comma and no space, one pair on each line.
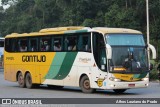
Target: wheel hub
86,84
20,80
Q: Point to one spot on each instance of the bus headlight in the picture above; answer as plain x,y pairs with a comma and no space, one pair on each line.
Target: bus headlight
111,78
145,79
117,80
114,79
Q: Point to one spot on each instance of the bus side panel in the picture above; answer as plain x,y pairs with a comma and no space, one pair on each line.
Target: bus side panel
9,73
60,68
43,70
38,74
28,62
87,66
71,79
84,63
6,70
26,69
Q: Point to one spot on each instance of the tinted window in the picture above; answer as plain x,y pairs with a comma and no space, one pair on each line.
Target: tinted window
125,39
57,43
45,44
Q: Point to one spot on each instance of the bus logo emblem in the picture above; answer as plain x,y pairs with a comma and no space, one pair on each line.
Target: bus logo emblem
100,82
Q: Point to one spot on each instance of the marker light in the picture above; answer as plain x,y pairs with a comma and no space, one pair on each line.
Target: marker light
114,79
117,80
145,79
111,78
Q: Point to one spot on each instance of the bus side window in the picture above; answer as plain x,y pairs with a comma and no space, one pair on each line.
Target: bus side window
45,44
8,44
23,45
33,44
70,43
57,44
84,42
87,43
14,45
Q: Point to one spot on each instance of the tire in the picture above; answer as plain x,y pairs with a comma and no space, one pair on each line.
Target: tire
119,91
28,80
85,85
21,80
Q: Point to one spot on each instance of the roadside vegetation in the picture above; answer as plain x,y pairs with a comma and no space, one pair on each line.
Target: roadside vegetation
33,15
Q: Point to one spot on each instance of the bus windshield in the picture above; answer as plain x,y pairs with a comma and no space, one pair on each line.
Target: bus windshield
129,54
125,39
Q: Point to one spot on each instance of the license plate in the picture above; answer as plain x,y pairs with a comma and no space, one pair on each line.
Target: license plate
131,85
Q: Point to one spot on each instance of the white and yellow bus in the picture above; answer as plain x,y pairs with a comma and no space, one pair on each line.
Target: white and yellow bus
89,58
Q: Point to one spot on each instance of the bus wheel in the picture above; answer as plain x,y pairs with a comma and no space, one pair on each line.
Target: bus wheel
119,91
85,85
28,81
21,80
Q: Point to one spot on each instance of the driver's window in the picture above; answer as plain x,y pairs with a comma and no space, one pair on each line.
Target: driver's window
99,51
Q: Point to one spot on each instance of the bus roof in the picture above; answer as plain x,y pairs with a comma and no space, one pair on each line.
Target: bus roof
51,31
74,29
106,30
61,29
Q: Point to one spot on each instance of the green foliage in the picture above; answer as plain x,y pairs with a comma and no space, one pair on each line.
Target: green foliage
153,75
154,72
33,15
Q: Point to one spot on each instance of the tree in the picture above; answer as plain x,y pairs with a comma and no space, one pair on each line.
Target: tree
33,15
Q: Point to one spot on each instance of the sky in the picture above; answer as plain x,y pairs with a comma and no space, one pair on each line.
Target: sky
0,2
4,6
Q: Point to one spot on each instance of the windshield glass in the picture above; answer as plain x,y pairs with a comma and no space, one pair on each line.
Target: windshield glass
125,39
129,54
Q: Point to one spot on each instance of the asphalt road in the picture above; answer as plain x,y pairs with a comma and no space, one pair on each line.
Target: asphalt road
12,90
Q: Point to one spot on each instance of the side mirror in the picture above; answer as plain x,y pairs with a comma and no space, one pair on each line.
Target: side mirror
108,51
153,51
